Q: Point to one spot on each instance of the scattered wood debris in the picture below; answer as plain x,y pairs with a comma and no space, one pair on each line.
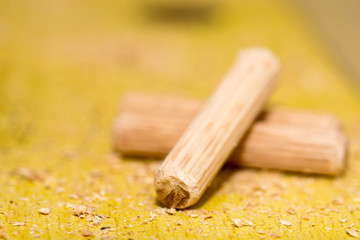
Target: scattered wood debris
285,222
352,232
87,233
44,211
241,222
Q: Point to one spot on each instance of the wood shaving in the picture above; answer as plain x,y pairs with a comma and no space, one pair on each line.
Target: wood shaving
193,215
352,232
285,222
44,211
343,220
241,222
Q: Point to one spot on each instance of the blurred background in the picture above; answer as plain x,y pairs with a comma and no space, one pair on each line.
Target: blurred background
65,64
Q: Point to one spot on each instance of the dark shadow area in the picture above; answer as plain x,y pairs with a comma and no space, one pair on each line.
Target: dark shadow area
226,172
129,158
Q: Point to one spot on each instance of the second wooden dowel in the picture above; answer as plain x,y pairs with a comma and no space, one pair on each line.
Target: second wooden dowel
291,140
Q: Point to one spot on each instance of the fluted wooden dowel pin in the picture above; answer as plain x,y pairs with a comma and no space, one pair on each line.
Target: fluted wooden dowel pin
216,130
292,140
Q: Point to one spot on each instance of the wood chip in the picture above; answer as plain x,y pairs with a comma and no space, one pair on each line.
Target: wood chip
310,211
343,220
44,211
152,216
291,211
87,233
275,235
241,222
18,224
80,210
337,201
285,222
352,232
260,231
305,217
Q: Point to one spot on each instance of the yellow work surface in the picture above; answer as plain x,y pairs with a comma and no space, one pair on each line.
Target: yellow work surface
64,66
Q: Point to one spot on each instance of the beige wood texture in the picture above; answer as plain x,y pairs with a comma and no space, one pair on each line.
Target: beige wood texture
291,140
215,131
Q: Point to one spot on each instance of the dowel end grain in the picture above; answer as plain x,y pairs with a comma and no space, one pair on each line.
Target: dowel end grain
171,191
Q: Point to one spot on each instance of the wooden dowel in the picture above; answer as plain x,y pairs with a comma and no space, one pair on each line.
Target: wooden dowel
300,141
215,131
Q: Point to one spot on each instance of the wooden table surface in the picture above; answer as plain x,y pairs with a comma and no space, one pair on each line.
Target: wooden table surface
64,65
